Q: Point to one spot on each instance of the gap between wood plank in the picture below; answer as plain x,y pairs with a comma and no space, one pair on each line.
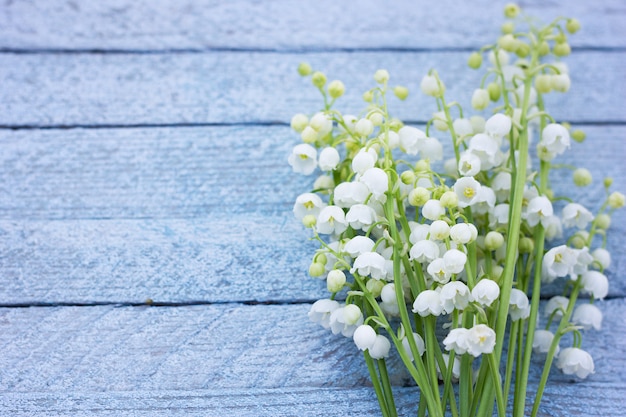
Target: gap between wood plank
608,123
286,51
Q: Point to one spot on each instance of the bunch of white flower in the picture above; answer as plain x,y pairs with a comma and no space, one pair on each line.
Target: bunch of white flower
469,240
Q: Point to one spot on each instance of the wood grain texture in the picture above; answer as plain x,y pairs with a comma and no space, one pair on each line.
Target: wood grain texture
252,87
284,24
123,215
584,399
156,358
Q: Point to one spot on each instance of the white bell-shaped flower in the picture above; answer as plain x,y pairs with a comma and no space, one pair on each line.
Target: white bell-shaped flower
485,292
307,203
589,316
454,261
430,86
454,295
359,245
575,361
303,159
596,284
345,320
380,348
519,308
364,160
498,125
329,159
467,190
501,185
487,149
456,341
556,306
480,339
377,183
364,127
321,310
542,341
558,262
424,251
461,233
432,209
602,256
463,128
555,138
437,270
348,194
364,336
321,123
431,149
331,220
419,232
419,344
469,164
538,209
361,216
411,139
439,230
499,216
370,264
427,303
576,215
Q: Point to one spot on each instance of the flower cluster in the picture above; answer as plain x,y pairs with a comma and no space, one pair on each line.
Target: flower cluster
404,230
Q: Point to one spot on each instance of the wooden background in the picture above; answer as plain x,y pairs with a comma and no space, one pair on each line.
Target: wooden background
143,157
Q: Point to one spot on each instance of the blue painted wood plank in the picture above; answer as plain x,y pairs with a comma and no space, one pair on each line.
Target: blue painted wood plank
133,358
172,24
171,215
249,87
588,399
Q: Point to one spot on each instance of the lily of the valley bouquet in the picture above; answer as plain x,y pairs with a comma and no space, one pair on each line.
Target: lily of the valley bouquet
446,265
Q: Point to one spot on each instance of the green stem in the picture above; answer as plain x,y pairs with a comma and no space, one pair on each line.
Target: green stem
553,346
509,360
376,384
495,375
391,405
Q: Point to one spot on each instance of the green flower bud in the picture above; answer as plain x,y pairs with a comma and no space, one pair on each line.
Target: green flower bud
572,25
523,49
608,181
320,258
376,118
480,99
299,122
508,27
578,241
494,91
407,177
508,42
526,245
401,92
544,48
395,124
603,221
419,196
578,135
496,272
449,199
582,177
562,49
336,89
616,200
475,60
335,280
368,96
543,83
309,220
316,269
318,79
304,69
381,76
493,240
308,135
422,166
511,10
375,286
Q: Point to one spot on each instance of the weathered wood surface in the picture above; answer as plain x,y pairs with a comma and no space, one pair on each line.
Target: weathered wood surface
139,205
173,215
156,358
284,24
253,87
